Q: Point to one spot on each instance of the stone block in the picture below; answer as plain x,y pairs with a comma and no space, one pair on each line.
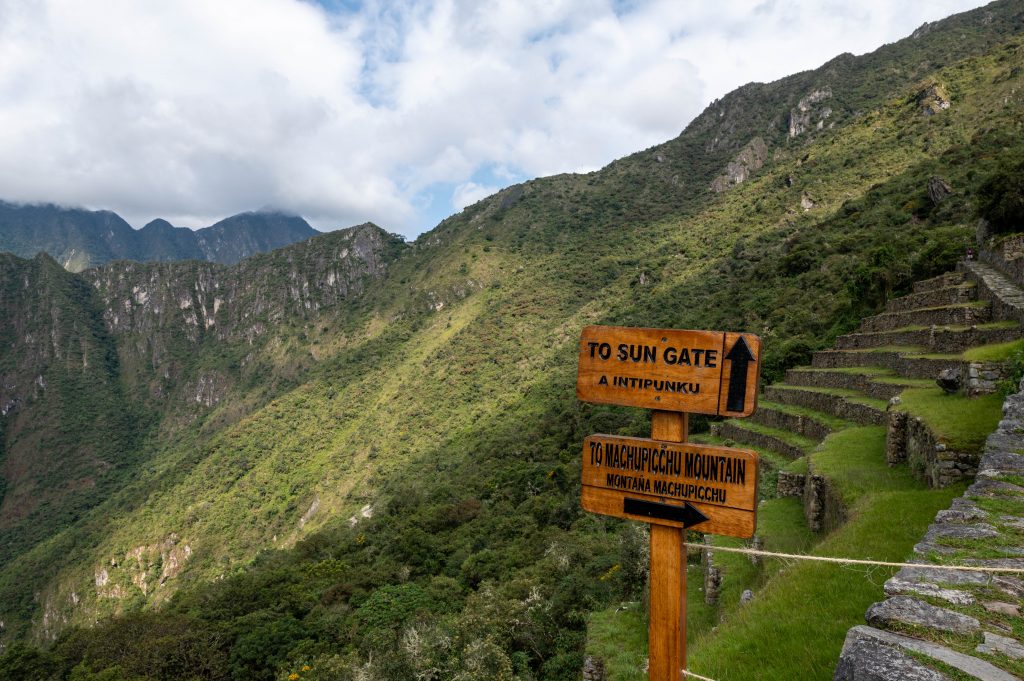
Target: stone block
971,666
868,659
1001,645
911,611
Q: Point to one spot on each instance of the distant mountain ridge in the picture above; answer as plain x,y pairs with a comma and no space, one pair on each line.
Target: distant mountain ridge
80,239
361,456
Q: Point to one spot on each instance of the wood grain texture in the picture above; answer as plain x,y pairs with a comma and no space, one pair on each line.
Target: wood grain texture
666,632
663,369
728,522
666,637
718,476
670,426
753,376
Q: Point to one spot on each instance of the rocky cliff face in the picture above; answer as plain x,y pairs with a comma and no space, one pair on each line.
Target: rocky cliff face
90,362
200,300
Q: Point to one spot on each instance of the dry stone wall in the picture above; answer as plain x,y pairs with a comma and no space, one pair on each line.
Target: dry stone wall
858,412
999,283
961,620
1006,255
791,484
909,440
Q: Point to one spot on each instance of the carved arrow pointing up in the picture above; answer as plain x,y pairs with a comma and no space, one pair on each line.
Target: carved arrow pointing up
740,356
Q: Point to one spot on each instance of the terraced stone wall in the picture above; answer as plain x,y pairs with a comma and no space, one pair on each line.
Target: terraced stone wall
823,508
963,620
1006,255
1000,276
909,440
791,484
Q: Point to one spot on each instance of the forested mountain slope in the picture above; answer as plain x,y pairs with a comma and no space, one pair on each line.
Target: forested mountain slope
355,453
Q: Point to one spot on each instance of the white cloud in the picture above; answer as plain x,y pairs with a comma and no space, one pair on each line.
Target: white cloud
469,193
195,110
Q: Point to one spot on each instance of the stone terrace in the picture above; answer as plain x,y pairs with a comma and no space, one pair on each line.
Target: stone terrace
916,338
937,620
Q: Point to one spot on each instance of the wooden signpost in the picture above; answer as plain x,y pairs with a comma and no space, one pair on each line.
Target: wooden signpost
665,481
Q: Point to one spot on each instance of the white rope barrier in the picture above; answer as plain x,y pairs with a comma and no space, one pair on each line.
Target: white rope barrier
854,561
687,672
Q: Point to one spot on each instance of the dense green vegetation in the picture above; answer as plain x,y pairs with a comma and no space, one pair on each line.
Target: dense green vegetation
387,485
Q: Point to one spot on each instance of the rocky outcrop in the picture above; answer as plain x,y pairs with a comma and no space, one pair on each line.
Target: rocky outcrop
161,313
810,112
938,190
750,159
237,303
593,669
932,99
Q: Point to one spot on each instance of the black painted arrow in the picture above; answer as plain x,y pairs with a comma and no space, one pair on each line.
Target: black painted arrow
686,514
740,356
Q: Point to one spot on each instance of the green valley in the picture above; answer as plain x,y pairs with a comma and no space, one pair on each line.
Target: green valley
358,458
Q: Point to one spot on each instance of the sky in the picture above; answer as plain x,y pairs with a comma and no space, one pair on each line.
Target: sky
398,112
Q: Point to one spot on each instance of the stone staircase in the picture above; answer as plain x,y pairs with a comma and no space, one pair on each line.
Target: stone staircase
962,621
917,337
934,624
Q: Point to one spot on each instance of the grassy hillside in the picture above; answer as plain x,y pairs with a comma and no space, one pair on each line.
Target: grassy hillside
401,497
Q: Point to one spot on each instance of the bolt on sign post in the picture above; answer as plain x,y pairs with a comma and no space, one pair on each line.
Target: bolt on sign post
664,480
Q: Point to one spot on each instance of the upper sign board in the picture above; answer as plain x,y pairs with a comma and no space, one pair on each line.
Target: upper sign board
702,372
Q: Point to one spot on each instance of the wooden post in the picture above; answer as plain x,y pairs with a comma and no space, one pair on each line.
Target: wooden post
666,637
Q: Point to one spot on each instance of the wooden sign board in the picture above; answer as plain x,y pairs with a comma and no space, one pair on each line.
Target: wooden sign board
671,483
705,372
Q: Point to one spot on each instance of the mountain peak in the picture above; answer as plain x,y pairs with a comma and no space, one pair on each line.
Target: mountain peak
81,238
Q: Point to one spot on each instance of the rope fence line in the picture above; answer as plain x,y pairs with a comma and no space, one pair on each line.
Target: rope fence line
688,673
854,561
840,561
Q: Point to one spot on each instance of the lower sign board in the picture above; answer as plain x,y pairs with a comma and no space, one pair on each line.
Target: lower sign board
712,489
704,372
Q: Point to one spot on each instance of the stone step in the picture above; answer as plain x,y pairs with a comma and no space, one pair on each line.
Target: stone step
963,314
789,446
871,381
844,404
944,339
903,363
909,611
870,653
1002,293
951,295
803,421
942,281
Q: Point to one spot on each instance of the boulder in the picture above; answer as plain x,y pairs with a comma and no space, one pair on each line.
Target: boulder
950,380
938,189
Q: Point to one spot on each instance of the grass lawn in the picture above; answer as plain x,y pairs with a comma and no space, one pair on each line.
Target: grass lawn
996,352
618,636
795,627
962,423
789,437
